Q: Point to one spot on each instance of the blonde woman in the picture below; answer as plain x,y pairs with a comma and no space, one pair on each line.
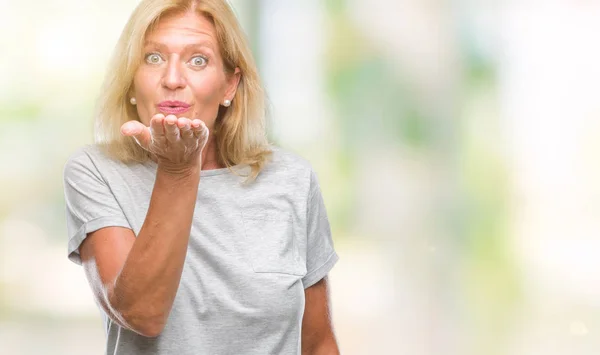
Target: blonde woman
195,234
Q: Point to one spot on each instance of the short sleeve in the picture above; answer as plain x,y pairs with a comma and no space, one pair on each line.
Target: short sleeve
320,253
90,204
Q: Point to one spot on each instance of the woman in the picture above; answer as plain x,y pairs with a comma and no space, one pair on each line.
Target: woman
196,236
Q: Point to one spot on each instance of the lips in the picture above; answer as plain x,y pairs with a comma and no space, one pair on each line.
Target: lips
173,107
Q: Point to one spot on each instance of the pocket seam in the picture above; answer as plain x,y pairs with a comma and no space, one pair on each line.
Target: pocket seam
266,216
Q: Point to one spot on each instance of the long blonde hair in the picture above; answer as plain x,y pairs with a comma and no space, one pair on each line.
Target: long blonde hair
241,135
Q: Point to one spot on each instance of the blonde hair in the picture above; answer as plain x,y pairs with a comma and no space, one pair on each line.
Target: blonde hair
241,136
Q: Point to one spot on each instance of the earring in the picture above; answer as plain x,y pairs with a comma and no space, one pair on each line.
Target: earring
227,103
133,101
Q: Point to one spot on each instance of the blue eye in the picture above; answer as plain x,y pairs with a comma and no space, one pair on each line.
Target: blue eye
199,61
153,58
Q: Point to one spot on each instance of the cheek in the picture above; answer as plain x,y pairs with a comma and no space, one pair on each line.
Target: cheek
206,88
145,90
145,86
208,93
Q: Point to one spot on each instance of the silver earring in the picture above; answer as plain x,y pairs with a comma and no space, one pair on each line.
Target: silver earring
133,101
227,103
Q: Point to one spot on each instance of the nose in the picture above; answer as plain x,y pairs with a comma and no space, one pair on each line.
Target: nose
173,77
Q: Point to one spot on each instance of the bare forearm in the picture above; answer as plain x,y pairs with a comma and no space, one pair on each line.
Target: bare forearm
144,291
326,347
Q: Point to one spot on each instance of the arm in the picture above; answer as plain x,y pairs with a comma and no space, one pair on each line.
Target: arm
135,280
317,331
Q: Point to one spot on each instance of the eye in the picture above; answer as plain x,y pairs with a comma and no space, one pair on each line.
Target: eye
153,58
198,61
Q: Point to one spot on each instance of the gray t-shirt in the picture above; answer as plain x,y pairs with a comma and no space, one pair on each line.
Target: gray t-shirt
253,250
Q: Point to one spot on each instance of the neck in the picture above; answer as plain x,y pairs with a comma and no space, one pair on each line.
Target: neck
209,155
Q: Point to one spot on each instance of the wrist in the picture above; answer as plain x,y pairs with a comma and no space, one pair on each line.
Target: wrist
178,171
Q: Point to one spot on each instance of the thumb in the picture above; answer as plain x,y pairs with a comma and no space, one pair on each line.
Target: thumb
138,131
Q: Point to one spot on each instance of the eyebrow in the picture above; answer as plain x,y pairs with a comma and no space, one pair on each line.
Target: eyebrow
203,44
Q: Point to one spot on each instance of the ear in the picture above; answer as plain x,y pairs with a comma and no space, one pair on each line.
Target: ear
232,84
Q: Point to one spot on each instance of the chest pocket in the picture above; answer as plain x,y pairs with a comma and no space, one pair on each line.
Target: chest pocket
271,243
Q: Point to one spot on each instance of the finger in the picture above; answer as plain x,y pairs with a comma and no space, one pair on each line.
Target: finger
171,130
185,128
199,128
138,131
156,127
131,128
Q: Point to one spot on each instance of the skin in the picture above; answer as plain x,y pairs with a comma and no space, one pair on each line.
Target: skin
317,331
182,62
135,280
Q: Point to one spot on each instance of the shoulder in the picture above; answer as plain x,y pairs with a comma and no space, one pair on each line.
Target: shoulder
283,157
287,172
86,160
84,154
294,170
80,159
285,162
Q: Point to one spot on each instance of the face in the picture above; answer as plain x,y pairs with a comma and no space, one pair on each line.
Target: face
182,71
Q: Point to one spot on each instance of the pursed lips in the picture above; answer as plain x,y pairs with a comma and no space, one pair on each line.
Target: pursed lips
173,107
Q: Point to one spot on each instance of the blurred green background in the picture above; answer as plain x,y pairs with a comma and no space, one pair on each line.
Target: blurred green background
456,143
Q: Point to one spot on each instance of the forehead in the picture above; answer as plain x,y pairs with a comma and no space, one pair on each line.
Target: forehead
188,27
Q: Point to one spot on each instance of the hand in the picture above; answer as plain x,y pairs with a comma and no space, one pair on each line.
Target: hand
177,143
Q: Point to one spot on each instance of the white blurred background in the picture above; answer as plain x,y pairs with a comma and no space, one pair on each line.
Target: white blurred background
456,143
